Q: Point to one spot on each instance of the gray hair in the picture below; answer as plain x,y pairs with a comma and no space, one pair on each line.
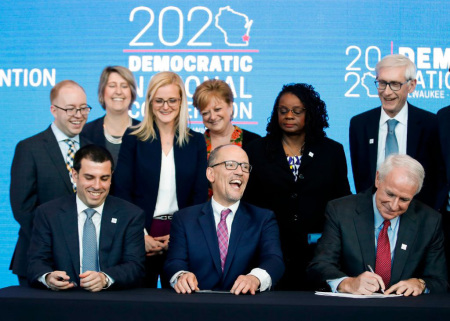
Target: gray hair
398,61
214,154
415,170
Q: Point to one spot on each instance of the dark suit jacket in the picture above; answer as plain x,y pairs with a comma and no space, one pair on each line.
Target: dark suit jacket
55,241
422,143
254,242
247,138
136,178
93,131
443,117
347,245
38,175
299,206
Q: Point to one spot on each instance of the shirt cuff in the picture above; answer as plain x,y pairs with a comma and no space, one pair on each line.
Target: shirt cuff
335,283
264,278
174,278
42,279
109,280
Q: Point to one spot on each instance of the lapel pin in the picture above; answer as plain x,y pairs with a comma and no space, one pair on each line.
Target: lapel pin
371,141
114,220
404,246
311,154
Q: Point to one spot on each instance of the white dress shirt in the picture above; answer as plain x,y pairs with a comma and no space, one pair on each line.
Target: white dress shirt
401,131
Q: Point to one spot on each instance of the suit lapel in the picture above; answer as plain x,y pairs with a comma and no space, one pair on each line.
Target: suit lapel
52,147
372,130
207,224
69,222
240,224
407,233
364,226
108,227
414,132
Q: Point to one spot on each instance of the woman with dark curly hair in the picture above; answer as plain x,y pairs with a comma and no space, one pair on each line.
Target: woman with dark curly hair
296,171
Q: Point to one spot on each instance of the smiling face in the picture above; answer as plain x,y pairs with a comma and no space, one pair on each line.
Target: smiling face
394,193
393,101
93,182
117,94
217,115
290,123
228,185
69,96
165,114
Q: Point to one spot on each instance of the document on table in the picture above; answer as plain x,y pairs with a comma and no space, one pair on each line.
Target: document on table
359,296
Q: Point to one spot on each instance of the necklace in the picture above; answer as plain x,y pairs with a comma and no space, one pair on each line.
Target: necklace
290,150
114,139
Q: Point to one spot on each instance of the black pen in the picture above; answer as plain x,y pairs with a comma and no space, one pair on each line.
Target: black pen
371,270
60,278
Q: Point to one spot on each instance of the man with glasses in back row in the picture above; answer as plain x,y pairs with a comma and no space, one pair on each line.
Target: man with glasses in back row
397,128
225,244
42,166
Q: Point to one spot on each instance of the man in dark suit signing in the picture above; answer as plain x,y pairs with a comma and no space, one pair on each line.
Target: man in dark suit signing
42,164
397,128
89,239
399,238
225,244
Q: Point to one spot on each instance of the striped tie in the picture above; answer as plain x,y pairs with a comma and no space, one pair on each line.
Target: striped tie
222,236
69,161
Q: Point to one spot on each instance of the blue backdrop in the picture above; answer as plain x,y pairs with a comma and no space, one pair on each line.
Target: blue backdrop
256,46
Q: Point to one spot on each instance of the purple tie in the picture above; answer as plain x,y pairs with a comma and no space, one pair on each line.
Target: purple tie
222,236
383,260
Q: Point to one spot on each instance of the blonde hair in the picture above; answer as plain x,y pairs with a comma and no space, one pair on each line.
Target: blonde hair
146,129
55,90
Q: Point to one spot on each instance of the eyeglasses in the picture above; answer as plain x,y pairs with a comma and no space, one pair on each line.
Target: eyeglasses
72,111
394,85
232,165
297,111
171,102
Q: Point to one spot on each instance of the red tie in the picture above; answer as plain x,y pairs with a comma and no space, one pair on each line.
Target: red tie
383,261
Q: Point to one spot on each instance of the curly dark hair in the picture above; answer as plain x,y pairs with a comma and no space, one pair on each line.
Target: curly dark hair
316,117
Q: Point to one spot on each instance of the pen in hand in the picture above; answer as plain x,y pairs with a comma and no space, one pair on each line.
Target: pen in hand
371,270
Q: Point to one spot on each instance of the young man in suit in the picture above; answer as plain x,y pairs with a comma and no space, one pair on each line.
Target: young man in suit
400,238
41,168
397,127
89,239
225,244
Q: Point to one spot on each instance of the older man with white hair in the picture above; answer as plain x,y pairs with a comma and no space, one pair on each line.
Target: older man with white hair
383,240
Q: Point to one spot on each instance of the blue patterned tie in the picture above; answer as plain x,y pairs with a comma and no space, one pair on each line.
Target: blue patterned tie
90,256
391,139
69,160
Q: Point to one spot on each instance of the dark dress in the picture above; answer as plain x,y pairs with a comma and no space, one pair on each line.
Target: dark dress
299,205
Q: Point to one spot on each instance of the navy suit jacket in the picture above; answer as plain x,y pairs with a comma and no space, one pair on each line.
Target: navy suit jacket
422,143
443,116
254,242
347,245
55,242
136,178
38,175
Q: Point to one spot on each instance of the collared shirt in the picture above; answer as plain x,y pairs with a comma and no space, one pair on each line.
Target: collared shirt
61,137
262,275
401,131
166,202
378,225
81,217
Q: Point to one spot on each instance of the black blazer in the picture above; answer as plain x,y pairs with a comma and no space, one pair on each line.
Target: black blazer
136,178
299,206
247,138
38,175
55,241
422,143
93,131
347,245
